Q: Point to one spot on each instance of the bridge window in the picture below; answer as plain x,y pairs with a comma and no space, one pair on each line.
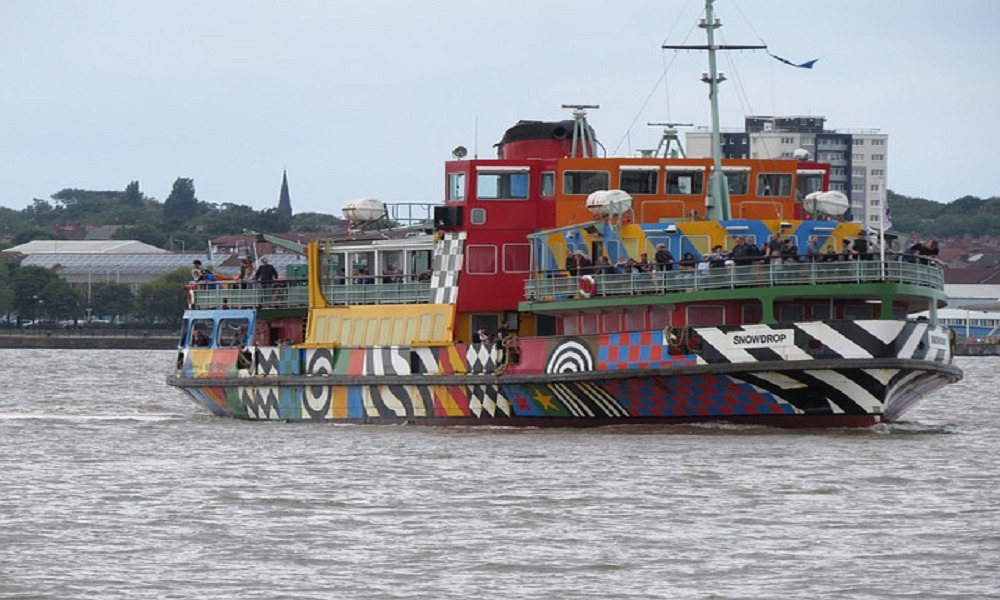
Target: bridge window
739,182
456,186
585,182
516,258
481,260
234,332
639,180
685,181
774,184
548,184
202,331
498,184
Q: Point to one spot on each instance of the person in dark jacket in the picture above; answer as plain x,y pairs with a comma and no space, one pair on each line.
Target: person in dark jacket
266,274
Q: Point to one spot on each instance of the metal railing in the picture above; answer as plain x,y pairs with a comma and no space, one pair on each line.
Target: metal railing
558,285
294,293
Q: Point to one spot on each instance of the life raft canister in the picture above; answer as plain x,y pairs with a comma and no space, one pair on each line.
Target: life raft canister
588,286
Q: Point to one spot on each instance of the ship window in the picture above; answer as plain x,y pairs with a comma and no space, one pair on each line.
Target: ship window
570,325
420,261
774,184
184,330
639,181
752,313
548,184
502,185
855,312
481,260
202,331
705,315
739,182
585,182
588,323
685,182
822,312
807,184
516,258
635,320
791,312
234,332
612,323
456,186
660,318
477,216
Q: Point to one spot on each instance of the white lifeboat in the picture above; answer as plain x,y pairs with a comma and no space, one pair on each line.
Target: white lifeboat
609,202
832,203
363,210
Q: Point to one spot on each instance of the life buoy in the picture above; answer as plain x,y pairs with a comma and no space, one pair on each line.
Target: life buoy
588,285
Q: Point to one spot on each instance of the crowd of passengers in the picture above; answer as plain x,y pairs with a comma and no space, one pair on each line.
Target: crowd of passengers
743,253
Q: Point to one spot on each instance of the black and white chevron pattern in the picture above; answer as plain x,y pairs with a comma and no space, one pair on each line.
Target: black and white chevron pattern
811,340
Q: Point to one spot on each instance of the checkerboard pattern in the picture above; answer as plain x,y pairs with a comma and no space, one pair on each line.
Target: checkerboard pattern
637,350
446,265
694,396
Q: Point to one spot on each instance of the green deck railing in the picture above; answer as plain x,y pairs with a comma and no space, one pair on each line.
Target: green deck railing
559,286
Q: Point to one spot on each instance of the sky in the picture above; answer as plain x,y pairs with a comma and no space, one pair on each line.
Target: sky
367,98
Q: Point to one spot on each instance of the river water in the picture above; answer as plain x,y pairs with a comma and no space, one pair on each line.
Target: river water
115,486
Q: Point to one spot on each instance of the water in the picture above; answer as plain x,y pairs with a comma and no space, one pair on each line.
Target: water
116,486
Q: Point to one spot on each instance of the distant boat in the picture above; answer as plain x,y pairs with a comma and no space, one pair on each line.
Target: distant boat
556,287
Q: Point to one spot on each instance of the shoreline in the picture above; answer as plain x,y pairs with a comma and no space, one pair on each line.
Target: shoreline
111,339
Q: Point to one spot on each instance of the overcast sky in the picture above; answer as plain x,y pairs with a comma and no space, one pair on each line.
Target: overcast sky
367,98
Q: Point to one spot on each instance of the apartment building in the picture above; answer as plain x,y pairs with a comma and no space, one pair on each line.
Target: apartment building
858,158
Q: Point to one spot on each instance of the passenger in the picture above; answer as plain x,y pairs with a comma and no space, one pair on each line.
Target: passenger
198,338
246,273
663,259
929,252
860,247
425,275
643,263
604,266
482,336
846,252
239,336
831,254
742,252
572,264
717,258
208,279
266,275
196,270
812,249
789,251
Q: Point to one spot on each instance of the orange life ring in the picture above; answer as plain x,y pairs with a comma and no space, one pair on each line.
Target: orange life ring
588,286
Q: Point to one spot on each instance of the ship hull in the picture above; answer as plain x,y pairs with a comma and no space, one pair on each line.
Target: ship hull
810,374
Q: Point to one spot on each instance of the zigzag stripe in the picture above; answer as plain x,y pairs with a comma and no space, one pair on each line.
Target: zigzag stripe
260,403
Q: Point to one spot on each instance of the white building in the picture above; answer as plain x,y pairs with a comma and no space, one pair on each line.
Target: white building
858,159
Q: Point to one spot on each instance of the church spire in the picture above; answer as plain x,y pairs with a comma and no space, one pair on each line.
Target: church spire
284,201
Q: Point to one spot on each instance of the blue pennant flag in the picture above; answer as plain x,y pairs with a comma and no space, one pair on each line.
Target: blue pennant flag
806,65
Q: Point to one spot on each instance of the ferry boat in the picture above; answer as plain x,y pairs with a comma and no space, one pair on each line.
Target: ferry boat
539,293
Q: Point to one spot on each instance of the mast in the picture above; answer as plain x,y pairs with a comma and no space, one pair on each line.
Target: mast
717,205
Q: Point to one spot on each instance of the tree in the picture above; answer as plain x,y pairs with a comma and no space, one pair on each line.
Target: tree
7,269
132,195
40,293
144,232
181,205
111,299
164,298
